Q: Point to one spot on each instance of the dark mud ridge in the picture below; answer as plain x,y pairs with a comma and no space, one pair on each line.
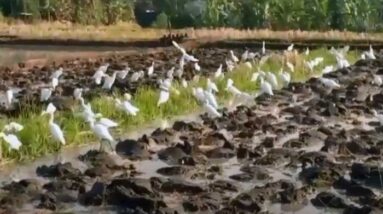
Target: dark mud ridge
165,40
304,150
84,43
78,74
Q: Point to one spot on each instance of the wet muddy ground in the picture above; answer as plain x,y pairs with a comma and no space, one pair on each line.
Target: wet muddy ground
304,150
27,81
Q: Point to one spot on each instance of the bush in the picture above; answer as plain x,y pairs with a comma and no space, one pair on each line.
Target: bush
161,21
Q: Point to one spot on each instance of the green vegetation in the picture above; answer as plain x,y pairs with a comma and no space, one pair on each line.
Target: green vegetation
78,11
36,136
353,15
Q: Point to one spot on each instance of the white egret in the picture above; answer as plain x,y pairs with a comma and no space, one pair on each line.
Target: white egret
211,86
127,96
9,96
309,65
345,49
57,73
314,63
127,106
377,80
245,56
210,98
363,56
109,80
13,127
272,79
185,56
100,73
12,140
290,48
123,73
218,73
230,65
286,77
378,116
290,66
136,76
87,115
164,97
55,129
199,94
254,77
342,62
102,133
104,67
330,83
252,55
170,73
86,107
263,48
77,93
165,87
266,87
211,110
45,94
317,61
328,69
98,77
182,63
165,84
370,54
248,65
233,57
184,83
50,109
232,89
307,52
179,72
105,121
197,67
151,69
54,83
87,112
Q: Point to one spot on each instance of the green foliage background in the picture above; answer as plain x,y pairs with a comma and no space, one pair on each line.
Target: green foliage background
354,15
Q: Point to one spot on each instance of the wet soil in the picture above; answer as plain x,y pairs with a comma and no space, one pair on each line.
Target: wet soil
319,153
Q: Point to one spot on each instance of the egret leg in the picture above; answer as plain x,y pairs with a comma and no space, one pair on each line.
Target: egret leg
58,156
111,146
101,146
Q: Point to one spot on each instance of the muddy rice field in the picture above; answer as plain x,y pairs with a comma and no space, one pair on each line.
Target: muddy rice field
27,81
306,149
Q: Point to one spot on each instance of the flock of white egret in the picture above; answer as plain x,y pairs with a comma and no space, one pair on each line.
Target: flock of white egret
99,125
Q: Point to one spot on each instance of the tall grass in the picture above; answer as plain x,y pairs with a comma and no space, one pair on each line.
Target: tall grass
36,136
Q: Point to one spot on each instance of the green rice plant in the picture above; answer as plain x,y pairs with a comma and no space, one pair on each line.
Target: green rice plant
37,140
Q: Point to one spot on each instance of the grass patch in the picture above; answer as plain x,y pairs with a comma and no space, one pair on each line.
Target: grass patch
36,137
